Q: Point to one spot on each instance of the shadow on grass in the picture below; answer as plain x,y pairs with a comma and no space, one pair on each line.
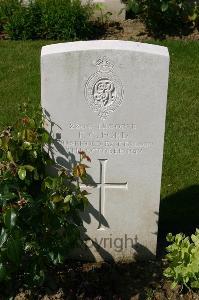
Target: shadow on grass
178,213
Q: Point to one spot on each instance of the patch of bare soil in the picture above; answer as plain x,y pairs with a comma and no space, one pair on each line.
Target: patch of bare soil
104,281
136,30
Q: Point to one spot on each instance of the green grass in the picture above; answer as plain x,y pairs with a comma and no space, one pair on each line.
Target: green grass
179,209
19,76
182,126
20,81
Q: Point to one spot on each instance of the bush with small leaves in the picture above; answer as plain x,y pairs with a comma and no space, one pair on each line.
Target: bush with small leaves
46,19
39,213
166,16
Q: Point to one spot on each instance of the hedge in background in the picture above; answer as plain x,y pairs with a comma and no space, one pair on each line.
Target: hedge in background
166,16
46,19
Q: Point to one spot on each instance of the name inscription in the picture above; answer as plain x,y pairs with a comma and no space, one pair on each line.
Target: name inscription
117,139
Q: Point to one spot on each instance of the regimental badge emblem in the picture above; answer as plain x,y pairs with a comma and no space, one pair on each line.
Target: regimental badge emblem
103,90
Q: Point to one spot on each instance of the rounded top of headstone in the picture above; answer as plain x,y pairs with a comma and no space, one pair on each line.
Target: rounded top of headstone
104,45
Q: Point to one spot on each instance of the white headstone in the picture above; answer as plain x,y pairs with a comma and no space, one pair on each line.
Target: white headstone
109,98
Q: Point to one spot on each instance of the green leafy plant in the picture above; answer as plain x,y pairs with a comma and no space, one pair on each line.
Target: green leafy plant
104,17
133,7
183,260
165,16
46,19
39,214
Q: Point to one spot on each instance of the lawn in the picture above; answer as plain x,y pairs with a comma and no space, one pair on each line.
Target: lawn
20,81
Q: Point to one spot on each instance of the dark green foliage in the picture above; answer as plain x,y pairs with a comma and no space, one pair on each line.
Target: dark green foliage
47,19
183,260
39,214
166,16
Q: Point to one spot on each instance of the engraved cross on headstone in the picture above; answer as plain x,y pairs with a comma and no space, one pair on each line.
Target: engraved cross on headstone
102,186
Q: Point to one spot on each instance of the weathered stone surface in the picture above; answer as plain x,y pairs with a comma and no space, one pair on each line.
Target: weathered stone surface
108,98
